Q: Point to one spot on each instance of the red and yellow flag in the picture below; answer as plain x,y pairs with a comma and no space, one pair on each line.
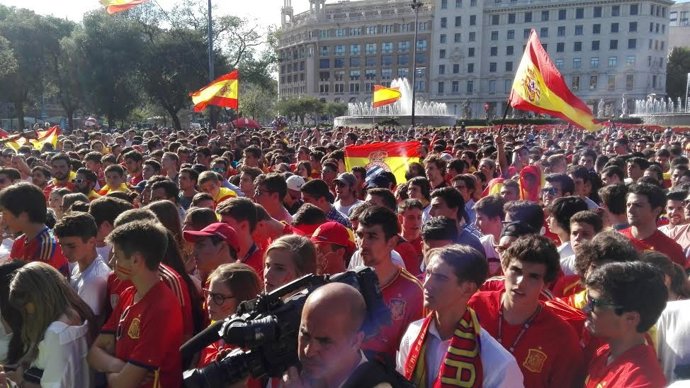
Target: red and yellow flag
540,87
384,96
221,92
49,136
115,6
394,157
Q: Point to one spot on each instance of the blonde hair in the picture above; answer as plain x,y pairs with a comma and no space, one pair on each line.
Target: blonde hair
302,252
47,290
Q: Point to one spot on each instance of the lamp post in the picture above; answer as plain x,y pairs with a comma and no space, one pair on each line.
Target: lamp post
416,4
212,111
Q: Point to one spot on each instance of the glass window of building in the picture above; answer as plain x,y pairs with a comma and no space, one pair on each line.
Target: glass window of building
593,79
544,32
458,21
629,81
470,67
456,68
355,49
355,62
595,45
577,46
442,69
614,27
472,37
494,35
340,49
632,44
511,18
444,22
559,63
371,61
632,27
455,87
594,62
440,88
324,63
561,14
577,63
444,4
404,46
458,3
473,20
613,61
575,82
509,50
544,16
597,12
493,51
634,9
561,31
470,87
442,53
421,45
492,67
492,86
494,20
339,63
509,66
560,47
510,34
442,38
630,60
403,72
596,29
371,48
470,52
579,13
324,51
386,60
387,47
613,44
528,17
370,74
371,30
579,30
616,10
386,73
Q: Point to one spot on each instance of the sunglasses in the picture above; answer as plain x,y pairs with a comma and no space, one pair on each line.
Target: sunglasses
593,303
217,298
549,191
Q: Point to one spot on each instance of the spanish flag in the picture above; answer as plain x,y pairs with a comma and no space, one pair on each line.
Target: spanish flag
49,136
539,87
115,6
221,92
394,157
384,96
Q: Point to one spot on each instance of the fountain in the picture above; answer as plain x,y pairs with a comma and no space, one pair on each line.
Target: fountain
427,113
661,111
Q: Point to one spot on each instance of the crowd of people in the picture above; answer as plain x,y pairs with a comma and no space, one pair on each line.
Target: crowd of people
506,258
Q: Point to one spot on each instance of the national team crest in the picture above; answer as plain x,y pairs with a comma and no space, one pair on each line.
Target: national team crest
534,362
531,86
134,329
397,307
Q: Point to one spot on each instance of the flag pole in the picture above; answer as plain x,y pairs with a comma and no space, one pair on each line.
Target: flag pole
505,114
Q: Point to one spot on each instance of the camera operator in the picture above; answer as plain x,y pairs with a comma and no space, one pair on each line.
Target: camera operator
329,341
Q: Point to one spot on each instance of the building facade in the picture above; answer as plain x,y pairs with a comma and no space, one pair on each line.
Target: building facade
679,25
604,49
338,52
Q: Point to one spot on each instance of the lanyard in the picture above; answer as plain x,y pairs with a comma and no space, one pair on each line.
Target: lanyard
522,332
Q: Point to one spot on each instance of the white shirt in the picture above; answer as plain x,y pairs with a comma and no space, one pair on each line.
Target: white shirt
565,250
104,252
91,284
346,209
673,337
356,260
499,366
568,265
62,356
489,245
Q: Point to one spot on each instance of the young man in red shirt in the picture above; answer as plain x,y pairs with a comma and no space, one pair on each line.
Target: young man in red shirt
410,215
24,210
645,202
377,234
624,300
139,344
545,346
240,214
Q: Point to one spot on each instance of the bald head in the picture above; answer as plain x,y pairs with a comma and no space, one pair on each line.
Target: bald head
338,299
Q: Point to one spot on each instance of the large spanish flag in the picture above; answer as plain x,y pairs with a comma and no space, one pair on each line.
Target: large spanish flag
115,6
393,157
49,136
540,87
221,92
384,96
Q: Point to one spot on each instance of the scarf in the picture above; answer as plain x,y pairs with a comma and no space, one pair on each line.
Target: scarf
464,349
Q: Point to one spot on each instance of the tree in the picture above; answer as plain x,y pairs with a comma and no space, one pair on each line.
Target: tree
677,72
68,70
8,62
300,107
256,102
335,109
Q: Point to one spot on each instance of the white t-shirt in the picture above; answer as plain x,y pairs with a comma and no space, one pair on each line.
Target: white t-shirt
104,252
673,337
346,209
492,256
62,356
356,260
568,265
499,366
91,285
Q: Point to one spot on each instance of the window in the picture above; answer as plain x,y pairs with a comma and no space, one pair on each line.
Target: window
371,30
386,60
404,59
387,47
492,86
494,35
458,3
386,73
526,32
442,53
578,30
355,62
509,66
324,75
510,35
596,29
613,44
492,67
561,14
595,45
441,87
354,75
457,38
579,13
544,16
442,69
511,18
370,61
404,46
632,44
455,87
597,12
472,36
632,27
456,68
444,22
560,47
339,75
421,45
494,20
354,49
634,9
458,21
575,83
323,89
354,88
509,50
356,31
340,32
470,67
593,82
340,49
339,88
339,63
577,46
473,3
616,10
630,60
444,4
577,63
370,48
473,20
470,87
324,63
493,51
370,74
559,63
442,38
611,84
561,31
629,82
614,27
594,62
528,17
613,61
470,52
544,32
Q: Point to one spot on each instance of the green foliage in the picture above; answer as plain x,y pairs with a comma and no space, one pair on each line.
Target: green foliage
677,72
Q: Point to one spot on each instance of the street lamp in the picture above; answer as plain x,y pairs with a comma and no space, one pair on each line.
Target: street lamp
416,4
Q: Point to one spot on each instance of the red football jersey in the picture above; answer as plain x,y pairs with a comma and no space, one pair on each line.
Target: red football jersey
255,259
404,297
658,242
548,351
148,334
409,256
43,248
637,367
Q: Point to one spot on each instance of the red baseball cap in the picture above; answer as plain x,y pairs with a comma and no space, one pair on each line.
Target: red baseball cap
218,229
334,233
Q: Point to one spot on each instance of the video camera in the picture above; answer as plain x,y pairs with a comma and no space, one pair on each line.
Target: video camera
268,327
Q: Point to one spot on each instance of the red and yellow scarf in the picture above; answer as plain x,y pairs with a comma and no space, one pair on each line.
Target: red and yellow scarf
461,367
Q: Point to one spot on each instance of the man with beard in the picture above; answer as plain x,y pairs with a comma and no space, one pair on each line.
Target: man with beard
85,182
61,172
678,231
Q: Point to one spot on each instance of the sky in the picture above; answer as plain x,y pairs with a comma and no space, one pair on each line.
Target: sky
265,12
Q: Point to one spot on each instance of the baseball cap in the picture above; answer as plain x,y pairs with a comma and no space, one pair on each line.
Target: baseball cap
347,178
218,229
379,180
334,233
295,182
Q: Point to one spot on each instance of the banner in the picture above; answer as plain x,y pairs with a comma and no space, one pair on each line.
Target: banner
393,157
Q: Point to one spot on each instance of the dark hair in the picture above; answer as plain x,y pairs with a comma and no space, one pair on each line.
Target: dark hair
134,155
578,171
198,197
12,173
679,280
469,265
10,314
239,208
200,217
517,229
274,183
410,204
491,206
458,165
565,207
440,228
107,209
608,246
115,168
76,224
172,191
60,156
676,195
655,195
309,214
525,211
633,286
423,184
533,248
144,237
613,197
386,196
452,198
193,175
640,161
588,217
566,183
316,188
437,161
24,197
88,174
378,215
613,170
